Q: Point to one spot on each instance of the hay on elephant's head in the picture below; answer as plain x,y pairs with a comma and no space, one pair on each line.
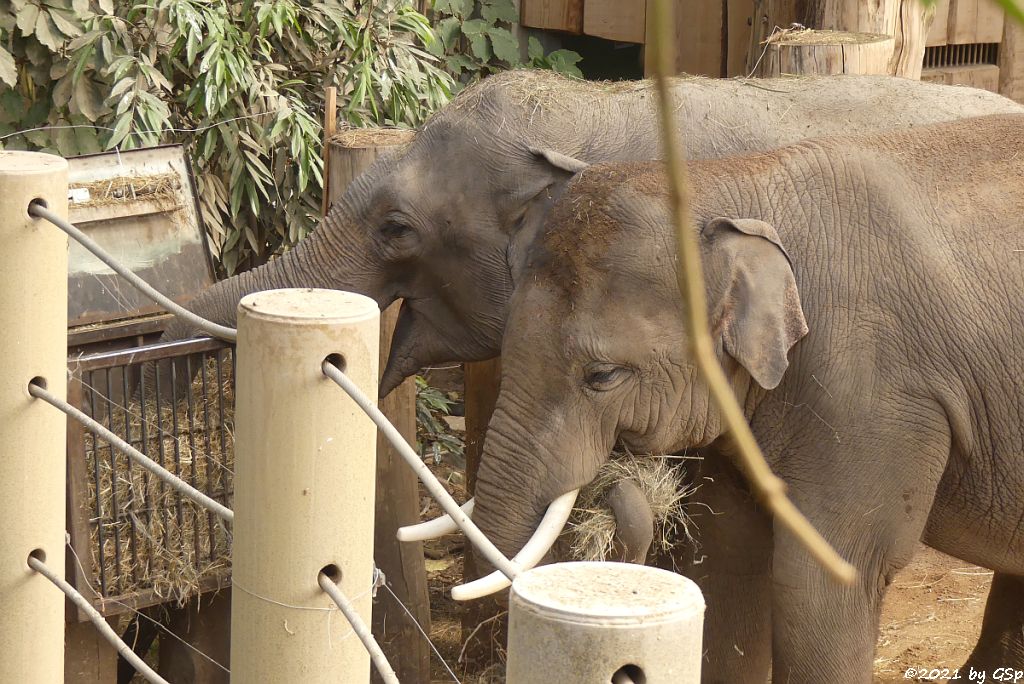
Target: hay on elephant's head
591,526
153,538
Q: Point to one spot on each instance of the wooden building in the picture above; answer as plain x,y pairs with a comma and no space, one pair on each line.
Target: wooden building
964,42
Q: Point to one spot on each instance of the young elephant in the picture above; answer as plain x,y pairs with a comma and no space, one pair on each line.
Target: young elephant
864,301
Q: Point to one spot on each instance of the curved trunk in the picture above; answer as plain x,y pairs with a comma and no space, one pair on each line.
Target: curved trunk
307,265
522,470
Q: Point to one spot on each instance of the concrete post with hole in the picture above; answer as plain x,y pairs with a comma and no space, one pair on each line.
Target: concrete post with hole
33,344
604,622
304,486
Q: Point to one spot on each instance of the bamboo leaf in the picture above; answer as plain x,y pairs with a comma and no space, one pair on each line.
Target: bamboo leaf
8,69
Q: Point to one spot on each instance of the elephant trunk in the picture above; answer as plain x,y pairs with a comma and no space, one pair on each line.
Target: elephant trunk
522,471
302,267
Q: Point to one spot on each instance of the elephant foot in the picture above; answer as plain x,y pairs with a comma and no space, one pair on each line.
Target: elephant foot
1001,644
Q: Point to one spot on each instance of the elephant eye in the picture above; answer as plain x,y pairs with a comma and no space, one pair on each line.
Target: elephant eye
604,376
392,230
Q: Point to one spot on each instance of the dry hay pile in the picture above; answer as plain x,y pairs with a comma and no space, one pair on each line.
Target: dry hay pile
591,528
155,187
153,538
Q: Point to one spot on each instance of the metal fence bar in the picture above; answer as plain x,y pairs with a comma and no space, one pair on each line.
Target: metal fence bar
436,489
215,329
149,464
100,623
380,661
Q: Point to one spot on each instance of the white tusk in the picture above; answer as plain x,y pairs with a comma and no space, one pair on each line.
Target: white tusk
531,554
432,529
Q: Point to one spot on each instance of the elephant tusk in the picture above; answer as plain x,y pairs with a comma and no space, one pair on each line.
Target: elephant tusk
432,529
532,552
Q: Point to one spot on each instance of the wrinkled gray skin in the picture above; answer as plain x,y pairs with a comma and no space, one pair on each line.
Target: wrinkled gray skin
864,299
435,224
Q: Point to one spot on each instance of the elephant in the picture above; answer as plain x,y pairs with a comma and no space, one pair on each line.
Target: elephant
436,224
864,303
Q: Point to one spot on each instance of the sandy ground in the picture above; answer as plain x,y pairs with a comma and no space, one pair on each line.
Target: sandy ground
931,618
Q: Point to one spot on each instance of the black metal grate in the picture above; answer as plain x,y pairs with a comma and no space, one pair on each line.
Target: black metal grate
141,542
968,54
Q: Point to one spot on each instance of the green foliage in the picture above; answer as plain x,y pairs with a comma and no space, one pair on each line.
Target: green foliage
475,40
240,82
432,433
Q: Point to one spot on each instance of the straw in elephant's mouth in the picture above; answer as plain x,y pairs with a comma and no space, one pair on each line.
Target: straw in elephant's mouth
591,529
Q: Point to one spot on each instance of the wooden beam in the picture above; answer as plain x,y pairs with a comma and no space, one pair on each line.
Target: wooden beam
554,15
397,492
1011,62
938,34
984,76
621,20
974,21
697,38
330,124
483,632
737,39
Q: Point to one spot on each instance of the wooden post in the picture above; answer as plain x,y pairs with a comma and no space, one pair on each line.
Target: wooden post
482,633
822,53
303,486
632,622
1011,61
33,344
907,21
351,152
330,124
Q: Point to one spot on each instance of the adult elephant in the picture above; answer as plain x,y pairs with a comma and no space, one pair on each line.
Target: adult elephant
435,224
864,302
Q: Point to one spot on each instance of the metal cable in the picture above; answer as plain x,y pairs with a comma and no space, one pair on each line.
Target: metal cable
223,332
131,452
97,620
380,661
434,487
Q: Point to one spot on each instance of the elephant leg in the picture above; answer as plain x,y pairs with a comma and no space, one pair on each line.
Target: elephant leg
1001,643
140,635
205,626
634,521
732,567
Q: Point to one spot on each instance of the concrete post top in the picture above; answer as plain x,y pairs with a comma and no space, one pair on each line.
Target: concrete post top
607,593
309,305
20,163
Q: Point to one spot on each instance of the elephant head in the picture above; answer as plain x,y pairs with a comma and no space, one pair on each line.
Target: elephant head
596,350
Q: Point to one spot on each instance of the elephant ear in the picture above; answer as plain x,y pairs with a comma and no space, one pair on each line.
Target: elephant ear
556,171
557,160
755,304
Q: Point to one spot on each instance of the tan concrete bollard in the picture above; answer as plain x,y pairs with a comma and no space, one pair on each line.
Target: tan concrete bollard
304,486
604,622
33,343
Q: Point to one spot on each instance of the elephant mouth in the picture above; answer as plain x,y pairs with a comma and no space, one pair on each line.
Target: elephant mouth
543,538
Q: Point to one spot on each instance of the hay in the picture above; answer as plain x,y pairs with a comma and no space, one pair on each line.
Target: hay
591,526
154,187
167,543
358,138
805,36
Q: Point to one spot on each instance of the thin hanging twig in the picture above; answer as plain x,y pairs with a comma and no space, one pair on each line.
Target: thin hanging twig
766,485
